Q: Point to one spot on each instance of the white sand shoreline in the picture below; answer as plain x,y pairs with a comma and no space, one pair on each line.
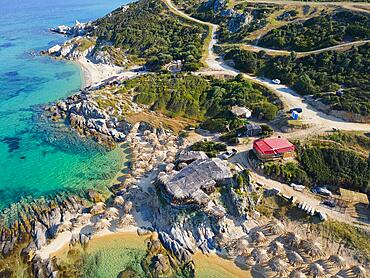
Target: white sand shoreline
94,74
64,239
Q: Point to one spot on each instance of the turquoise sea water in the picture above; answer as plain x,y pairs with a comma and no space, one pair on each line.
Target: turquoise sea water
35,162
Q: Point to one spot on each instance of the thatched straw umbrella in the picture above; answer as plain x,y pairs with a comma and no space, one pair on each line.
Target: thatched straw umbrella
64,226
297,274
119,201
258,237
97,208
359,271
293,240
111,213
294,258
260,255
82,219
169,167
277,265
276,248
126,220
102,224
242,246
312,248
316,270
338,261
128,207
276,227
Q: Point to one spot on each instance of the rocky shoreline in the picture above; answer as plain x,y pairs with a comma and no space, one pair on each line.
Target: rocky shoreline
189,202
84,116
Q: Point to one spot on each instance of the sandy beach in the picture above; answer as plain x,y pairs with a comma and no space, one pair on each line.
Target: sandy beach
94,74
63,239
210,265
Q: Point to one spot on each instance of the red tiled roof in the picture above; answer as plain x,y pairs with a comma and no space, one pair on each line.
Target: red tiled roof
273,146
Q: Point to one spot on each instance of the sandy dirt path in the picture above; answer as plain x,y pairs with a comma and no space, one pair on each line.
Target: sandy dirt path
291,99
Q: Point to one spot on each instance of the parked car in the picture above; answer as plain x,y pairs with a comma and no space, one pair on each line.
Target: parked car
323,216
299,187
228,154
260,184
297,109
339,93
322,191
271,192
329,203
276,81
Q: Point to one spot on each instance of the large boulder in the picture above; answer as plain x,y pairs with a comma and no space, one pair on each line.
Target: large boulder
39,234
55,50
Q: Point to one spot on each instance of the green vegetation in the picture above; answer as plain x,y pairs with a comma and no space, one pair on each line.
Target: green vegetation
324,162
148,30
210,148
258,13
281,209
243,179
355,141
84,44
233,26
266,130
335,166
203,98
348,235
317,74
289,172
319,32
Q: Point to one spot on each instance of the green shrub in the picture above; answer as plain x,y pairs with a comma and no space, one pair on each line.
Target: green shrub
148,30
316,74
210,148
290,172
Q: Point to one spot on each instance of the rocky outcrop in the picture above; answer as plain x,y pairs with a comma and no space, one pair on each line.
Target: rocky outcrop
180,252
84,115
233,19
109,55
36,222
238,20
79,29
76,48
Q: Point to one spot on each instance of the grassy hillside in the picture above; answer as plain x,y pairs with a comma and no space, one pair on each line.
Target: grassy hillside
319,32
325,162
148,30
202,98
318,74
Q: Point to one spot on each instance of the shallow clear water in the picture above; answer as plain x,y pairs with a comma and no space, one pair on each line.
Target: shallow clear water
29,164
107,256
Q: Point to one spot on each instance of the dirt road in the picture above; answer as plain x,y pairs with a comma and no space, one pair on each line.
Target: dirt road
270,51
320,121
306,197
355,6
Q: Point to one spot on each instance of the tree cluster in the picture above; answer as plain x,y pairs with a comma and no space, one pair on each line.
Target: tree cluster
319,74
318,32
324,164
203,98
148,30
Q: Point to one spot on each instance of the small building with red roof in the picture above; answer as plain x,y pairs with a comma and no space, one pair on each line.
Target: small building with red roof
273,148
